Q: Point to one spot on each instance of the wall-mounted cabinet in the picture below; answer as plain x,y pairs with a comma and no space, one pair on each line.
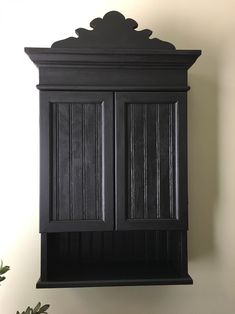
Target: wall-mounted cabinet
113,157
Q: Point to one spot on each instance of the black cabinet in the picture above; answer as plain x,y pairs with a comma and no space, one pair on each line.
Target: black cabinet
113,157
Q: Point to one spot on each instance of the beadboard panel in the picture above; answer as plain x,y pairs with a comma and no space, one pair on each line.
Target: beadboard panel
110,246
151,160
149,129
77,152
79,128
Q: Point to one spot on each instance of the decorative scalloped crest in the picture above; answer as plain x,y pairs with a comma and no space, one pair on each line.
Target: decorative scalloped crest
113,31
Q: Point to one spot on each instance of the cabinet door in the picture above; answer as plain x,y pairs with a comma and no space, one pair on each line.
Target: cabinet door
151,160
76,130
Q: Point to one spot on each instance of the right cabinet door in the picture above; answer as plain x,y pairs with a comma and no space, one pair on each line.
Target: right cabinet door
151,160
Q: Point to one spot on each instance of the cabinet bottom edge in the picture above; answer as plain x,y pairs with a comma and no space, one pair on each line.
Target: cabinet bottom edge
186,280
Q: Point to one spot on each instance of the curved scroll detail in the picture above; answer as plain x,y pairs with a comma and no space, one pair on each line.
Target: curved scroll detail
113,31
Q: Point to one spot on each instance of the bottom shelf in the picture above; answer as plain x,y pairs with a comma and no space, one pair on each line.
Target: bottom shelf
114,259
187,280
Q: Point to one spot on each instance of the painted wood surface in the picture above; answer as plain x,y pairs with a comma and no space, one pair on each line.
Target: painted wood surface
113,157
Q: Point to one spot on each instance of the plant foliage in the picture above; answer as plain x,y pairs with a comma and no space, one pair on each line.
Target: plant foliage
37,310
3,270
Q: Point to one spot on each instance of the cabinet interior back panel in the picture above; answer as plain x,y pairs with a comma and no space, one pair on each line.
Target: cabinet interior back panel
77,161
92,247
151,160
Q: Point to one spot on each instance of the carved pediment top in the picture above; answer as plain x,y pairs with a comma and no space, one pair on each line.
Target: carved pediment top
113,31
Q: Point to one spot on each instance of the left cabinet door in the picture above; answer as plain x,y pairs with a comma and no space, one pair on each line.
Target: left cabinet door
76,161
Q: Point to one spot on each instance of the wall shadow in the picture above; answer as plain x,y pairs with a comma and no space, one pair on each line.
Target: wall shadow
203,163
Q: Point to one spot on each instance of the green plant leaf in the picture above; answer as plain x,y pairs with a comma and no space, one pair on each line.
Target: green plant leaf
37,310
44,308
28,310
4,269
37,307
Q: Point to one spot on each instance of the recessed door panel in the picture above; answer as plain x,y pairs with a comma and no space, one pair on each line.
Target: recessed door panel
148,128
81,160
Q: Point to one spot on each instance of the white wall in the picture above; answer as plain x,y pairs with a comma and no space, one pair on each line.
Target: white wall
203,24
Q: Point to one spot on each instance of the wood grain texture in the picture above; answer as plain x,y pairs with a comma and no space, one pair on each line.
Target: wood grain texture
113,184
115,258
151,160
81,161
107,247
147,165
77,141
